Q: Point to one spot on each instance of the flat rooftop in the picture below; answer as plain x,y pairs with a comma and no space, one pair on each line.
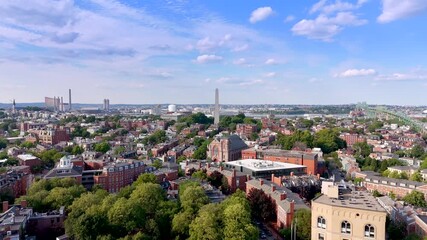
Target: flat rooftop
263,165
352,199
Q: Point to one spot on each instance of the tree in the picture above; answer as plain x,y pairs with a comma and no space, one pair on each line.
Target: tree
375,193
3,143
145,178
415,198
126,215
362,149
237,223
200,152
181,223
77,150
157,164
27,145
200,174
102,147
262,205
149,195
193,198
328,140
396,230
208,224
119,150
302,221
416,177
215,179
417,151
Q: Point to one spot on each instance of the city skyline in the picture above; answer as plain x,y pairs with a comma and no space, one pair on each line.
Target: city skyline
292,52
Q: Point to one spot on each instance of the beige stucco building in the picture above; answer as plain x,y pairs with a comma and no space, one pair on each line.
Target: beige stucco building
339,214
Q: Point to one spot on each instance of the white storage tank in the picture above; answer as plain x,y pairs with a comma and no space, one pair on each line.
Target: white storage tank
172,108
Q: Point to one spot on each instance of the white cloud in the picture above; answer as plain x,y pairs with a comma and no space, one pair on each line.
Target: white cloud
397,9
314,80
205,44
253,82
239,61
324,27
208,58
270,61
260,14
241,48
270,74
357,73
337,6
402,77
289,18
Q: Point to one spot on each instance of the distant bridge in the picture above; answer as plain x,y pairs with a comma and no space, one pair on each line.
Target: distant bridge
376,112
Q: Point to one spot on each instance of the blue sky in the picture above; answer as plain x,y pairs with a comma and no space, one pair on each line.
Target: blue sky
165,51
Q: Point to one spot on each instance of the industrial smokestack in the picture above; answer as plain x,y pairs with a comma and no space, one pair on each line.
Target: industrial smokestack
69,99
61,106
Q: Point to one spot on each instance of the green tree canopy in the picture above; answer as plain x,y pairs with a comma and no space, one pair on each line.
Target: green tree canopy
415,198
102,147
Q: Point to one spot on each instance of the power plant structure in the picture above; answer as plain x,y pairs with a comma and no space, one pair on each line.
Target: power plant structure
57,103
106,105
216,111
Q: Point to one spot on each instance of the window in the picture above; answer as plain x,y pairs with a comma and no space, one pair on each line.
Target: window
321,222
369,231
321,236
345,227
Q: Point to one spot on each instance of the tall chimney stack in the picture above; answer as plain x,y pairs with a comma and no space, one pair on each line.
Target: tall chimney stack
69,99
61,106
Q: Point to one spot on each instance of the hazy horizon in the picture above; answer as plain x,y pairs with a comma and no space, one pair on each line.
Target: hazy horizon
327,52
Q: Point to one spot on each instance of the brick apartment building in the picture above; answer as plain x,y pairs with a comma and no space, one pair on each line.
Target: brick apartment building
310,160
16,181
352,138
119,174
28,160
286,201
245,130
50,136
384,185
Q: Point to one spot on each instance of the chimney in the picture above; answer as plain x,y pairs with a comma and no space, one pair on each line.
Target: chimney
292,206
186,162
272,177
248,177
273,187
282,196
208,165
221,168
69,99
292,174
5,206
24,204
200,165
318,176
261,182
234,172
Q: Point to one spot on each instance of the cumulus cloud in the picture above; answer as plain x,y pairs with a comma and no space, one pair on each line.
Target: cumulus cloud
270,74
337,6
260,14
252,82
357,73
397,9
324,27
208,59
402,77
239,61
241,48
270,61
289,18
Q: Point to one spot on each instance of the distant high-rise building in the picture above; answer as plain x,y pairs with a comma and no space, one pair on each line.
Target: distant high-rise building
106,106
216,113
